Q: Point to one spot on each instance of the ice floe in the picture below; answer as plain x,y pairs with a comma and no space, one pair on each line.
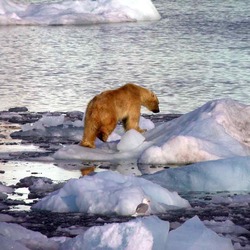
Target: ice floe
231,174
145,233
70,12
219,129
110,193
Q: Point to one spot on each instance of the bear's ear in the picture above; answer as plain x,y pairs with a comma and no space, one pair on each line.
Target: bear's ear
152,94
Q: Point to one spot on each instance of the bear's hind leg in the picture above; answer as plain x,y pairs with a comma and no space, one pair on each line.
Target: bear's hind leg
106,130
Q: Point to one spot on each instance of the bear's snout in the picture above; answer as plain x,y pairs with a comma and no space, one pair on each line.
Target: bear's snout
157,110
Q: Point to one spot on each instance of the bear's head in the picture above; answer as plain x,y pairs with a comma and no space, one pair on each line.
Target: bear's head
151,102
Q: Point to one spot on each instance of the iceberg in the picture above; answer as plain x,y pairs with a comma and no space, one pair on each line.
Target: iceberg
109,192
76,12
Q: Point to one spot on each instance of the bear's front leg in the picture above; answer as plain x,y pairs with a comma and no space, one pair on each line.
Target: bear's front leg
132,122
87,144
89,136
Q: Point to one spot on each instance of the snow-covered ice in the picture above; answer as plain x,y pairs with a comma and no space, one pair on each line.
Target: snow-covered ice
140,234
219,129
108,192
70,12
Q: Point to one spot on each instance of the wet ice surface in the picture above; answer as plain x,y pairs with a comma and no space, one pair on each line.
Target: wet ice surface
24,156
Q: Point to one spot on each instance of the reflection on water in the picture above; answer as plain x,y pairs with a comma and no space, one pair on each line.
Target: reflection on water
16,170
200,51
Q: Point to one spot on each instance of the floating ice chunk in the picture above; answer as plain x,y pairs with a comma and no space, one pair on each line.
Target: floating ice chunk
219,175
23,237
226,227
44,122
52,121
109,193
138,234
131,140
193,235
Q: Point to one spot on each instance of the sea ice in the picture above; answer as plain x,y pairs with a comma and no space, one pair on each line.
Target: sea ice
193,235
231,174
18,237
110,193
235,199
70,12
143,233
217,130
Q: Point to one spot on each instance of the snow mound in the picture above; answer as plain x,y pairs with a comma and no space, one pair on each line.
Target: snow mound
193,235
141,233
219,129
108,192
131,140
70,12
231,174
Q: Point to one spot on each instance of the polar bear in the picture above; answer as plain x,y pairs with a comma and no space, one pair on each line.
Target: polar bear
123,104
